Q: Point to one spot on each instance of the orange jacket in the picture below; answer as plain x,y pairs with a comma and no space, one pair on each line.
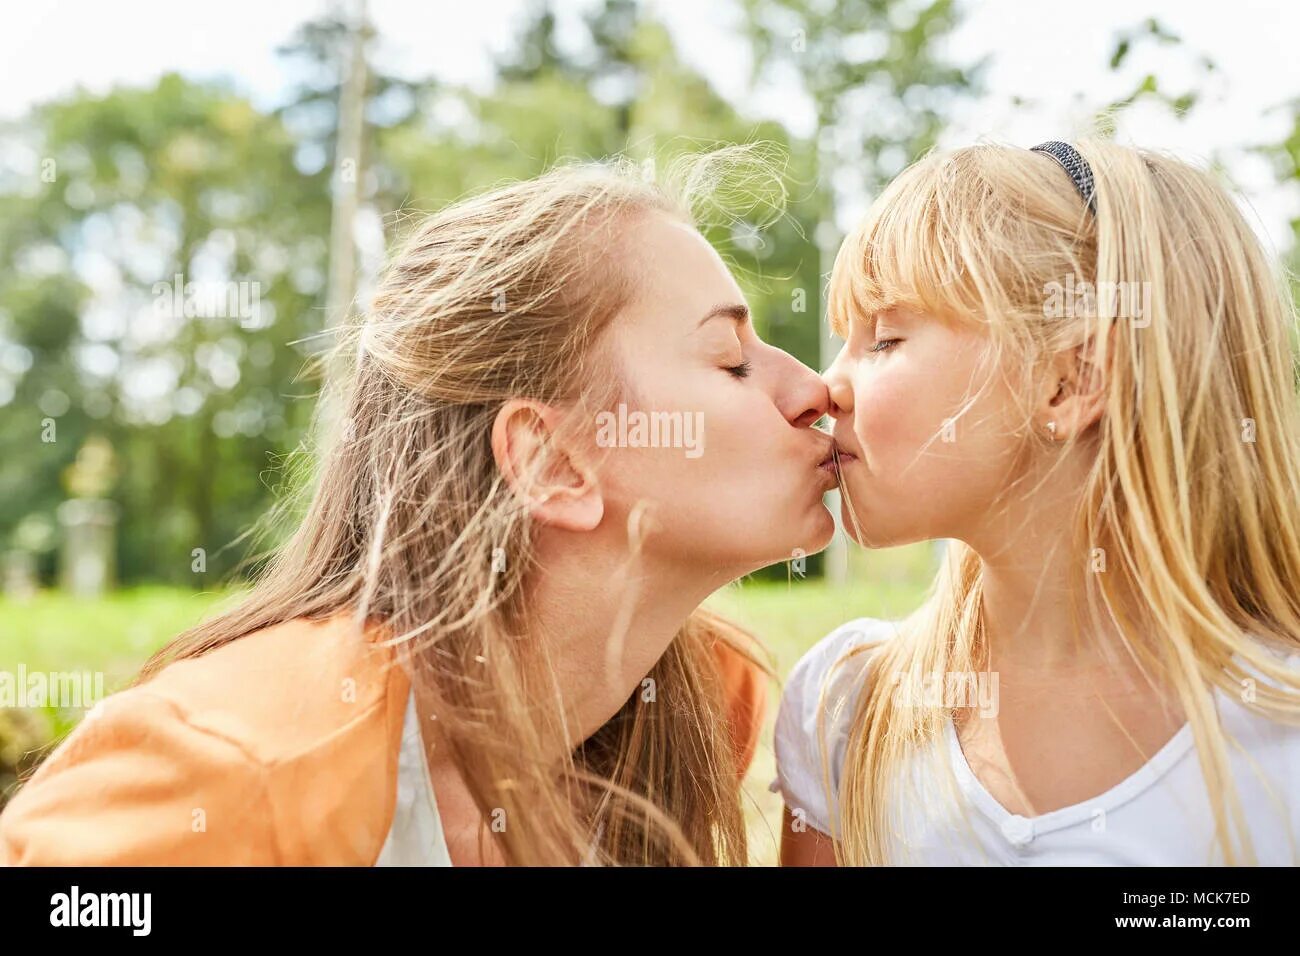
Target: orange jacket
279,748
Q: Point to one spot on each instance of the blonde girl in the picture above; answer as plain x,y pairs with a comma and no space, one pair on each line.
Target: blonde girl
1077,363
482,644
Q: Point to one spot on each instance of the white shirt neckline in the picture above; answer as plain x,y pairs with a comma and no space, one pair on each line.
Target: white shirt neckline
416,837
1019,829
1161,814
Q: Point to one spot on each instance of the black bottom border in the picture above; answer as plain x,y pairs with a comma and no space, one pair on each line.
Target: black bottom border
1049,905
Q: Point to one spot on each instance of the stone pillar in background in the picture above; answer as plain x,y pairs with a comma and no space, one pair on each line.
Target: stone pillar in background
87,561
19,573
88,558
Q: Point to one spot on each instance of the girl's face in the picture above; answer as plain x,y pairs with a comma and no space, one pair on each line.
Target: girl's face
737,477
930,431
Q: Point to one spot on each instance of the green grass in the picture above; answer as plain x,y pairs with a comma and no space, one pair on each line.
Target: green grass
789,619
114,635
110,637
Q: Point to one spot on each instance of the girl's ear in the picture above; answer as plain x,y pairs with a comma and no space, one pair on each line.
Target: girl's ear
556,486
1076,393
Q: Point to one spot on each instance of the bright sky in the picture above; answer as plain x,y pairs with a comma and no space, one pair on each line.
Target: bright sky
1051,53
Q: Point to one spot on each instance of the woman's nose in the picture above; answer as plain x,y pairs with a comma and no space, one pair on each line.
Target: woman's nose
798,391
809,402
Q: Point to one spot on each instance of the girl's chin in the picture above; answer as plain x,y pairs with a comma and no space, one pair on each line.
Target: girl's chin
868,535
858,528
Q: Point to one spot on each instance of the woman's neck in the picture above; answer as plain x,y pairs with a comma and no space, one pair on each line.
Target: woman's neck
604,623
606,619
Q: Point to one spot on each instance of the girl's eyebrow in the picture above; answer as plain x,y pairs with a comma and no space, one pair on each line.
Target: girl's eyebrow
887,314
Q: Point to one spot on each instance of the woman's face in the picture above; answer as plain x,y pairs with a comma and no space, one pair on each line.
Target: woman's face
929,431
737,478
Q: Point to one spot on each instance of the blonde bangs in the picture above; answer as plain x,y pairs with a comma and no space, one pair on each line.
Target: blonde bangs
911,250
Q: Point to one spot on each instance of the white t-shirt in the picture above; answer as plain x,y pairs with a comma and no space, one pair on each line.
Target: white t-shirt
415,837
941,814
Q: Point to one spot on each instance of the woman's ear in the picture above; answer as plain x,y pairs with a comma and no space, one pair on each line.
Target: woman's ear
1076,396
550,479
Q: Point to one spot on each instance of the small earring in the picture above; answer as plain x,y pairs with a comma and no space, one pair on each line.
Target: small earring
1051,430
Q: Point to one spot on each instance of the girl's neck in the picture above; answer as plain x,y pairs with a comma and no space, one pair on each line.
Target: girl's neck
1035,585
1036,616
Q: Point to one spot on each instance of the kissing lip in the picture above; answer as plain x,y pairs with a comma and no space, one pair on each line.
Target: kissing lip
846,452
837,455
836,459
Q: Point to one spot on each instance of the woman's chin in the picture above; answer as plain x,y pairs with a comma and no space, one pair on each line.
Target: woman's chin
818,534
825,529
798,549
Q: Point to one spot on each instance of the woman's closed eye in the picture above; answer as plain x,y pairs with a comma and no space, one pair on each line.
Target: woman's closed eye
742,370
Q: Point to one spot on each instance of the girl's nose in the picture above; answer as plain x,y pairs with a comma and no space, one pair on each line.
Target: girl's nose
838,387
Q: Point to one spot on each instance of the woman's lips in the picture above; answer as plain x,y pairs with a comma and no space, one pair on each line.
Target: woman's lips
836,460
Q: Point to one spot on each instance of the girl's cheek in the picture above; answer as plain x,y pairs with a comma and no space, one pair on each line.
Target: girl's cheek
885,409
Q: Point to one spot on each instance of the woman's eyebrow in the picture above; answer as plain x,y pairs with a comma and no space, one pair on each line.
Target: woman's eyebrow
737,312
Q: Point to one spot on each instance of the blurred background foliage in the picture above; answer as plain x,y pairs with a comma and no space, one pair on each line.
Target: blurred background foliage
187,178
130,189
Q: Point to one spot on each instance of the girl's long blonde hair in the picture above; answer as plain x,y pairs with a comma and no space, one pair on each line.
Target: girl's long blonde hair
1188,528
505,295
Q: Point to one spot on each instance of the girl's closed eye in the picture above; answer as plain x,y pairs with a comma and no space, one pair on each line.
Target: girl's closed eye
885,345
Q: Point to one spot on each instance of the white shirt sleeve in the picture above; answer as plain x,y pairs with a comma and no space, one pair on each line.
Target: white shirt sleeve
822,682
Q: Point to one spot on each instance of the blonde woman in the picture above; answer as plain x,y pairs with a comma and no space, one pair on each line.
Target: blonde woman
483,642
1075,362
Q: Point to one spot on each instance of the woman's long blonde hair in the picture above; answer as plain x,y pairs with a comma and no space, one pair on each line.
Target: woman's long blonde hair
503,296
1188,527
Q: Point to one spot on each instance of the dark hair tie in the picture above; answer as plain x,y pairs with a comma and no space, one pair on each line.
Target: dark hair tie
1074,164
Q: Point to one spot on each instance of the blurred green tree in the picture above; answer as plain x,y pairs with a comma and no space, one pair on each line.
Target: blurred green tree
128,204
154,204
